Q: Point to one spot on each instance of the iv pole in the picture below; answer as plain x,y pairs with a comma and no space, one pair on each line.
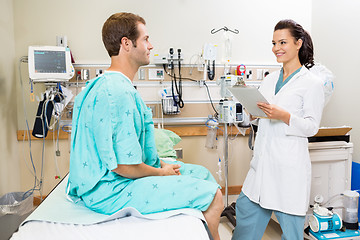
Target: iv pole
226,155
229,211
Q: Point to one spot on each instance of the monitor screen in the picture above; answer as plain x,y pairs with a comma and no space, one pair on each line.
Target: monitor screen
49,63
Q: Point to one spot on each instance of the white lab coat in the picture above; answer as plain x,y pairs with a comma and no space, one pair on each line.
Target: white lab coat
280,170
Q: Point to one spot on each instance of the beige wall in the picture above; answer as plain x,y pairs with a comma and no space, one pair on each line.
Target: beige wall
182,24
52,165
336,37
239,157
9,158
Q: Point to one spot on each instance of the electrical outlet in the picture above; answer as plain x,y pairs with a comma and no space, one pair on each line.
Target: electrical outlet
259,74
98,72
201,83
61,41
153,110
82,74
248,74
85,74
78,74
265,72
141,74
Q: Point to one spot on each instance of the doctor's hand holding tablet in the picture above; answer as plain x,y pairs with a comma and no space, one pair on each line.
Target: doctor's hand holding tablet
274,112
257,105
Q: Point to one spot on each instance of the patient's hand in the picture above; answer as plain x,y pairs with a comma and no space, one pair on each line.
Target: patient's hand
170,169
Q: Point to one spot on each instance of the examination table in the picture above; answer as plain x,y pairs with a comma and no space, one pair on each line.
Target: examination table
58,218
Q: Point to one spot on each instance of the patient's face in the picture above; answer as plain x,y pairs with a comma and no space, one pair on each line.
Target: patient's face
141,53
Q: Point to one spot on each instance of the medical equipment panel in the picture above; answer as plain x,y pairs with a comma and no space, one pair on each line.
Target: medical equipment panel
50,64
199,96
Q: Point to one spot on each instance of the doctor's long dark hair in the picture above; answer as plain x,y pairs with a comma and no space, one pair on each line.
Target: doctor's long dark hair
306,52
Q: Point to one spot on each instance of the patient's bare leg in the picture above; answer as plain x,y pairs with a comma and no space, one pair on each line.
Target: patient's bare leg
213,213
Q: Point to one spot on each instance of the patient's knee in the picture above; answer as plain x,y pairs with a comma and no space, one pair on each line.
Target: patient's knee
219,199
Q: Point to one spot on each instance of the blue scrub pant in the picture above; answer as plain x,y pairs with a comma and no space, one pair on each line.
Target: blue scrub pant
252,220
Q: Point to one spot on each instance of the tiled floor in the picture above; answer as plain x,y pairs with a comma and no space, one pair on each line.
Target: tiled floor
273,231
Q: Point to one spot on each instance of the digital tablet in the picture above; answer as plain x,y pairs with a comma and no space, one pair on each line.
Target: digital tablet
249,97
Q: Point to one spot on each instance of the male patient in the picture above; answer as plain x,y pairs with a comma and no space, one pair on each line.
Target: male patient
113,161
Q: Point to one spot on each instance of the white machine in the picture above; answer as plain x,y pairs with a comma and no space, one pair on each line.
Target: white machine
325,224
50,64
230,111
228,81
209,56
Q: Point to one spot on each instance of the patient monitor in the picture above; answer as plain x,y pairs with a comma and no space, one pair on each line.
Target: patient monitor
50,64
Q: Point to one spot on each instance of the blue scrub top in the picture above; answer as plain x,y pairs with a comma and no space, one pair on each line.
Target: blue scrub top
109,124
281,82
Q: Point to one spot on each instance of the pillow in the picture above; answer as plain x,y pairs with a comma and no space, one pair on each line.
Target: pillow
165,140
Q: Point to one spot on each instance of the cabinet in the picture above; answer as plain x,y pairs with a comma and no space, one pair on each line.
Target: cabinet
331,170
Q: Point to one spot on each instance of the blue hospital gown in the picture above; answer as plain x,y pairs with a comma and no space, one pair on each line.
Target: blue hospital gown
112,125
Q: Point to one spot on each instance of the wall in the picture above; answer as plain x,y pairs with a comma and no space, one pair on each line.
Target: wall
336,38
186,23
182,24
9,158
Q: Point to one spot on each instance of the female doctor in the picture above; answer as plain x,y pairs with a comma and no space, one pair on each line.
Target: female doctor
280,171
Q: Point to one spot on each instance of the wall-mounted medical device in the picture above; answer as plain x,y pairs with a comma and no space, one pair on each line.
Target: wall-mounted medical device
50,64
169,101
229,81
167,59
209,55
230,111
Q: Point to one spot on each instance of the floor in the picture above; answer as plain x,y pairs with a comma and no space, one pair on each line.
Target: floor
273,230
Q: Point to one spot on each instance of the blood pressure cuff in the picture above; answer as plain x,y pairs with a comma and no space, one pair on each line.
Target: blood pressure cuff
43,117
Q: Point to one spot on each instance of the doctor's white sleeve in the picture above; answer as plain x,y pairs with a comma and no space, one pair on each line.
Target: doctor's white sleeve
308,124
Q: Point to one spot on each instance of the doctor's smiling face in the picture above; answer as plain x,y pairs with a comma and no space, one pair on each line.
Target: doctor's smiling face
285,47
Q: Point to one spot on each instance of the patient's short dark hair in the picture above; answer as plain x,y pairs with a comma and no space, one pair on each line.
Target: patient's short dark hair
116,27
